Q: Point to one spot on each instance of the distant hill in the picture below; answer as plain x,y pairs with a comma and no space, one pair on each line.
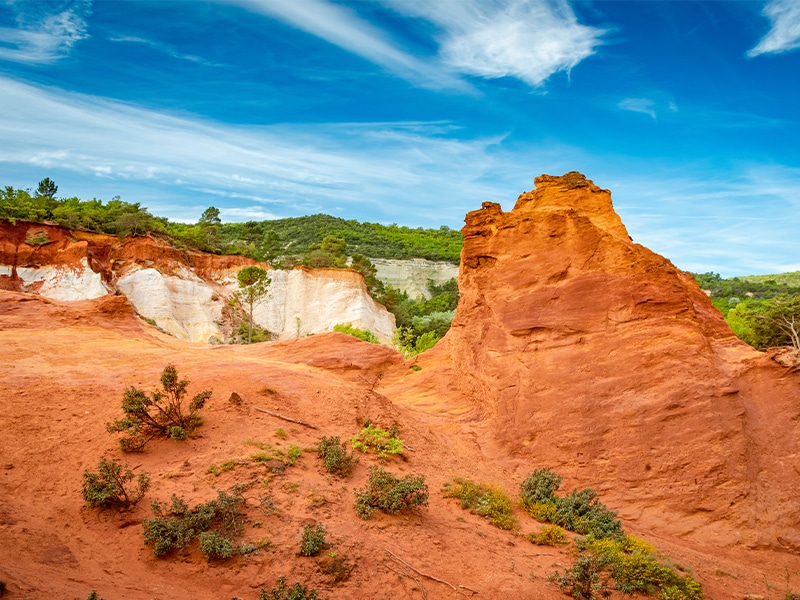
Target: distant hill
298,235
791,280
261,240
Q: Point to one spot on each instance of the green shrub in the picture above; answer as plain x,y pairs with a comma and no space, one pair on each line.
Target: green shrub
39,238
372,438
93,595
175,526
544,513
335,457
161,414
214,545
539,488
485,500
362,334
281,592
632,564
292,455
583,513
580,511
583,580
110,485
550,535
312,540
386,492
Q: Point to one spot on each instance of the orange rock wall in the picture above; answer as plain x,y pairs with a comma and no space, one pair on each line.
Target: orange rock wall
593,355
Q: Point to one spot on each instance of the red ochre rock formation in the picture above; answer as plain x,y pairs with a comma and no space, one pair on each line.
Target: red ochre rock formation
577,349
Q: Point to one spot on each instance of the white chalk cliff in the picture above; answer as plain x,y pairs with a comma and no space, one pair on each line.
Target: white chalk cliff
183,293
412,275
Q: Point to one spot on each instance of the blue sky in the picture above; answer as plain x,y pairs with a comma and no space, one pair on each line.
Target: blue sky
415,111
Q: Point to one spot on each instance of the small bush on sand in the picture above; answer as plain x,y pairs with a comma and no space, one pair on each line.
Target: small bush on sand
385,443
390,494
581,511
335,457
312,540
161,414
214,545
539,488
550,535
488,501
175,525
281,591
112,485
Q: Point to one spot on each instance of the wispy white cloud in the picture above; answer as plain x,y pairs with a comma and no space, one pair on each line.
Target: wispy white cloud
45,31
646,106
652,106
527,39
164,48
785,32
393,172
738,221
342,27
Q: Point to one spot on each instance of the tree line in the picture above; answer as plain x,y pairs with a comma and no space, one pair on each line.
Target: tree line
281,242
762,310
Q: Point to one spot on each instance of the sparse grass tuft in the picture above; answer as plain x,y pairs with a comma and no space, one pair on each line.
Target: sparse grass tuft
280,591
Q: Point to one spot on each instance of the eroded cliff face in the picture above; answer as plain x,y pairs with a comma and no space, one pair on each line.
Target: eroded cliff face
182,292
412,275
575,348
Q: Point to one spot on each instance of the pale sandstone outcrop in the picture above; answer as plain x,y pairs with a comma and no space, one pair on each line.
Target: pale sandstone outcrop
184,293
183,305
412,275
60,282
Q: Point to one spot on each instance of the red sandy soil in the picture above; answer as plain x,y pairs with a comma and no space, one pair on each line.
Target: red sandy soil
637,389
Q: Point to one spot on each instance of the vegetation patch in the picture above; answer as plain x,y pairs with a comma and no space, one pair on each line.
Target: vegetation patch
228,465
38,238
281,591
385,443
580,511
312,540
161,414
335,457
628,565
112,485
488,501
390,494
362,334
607,558
175,525
550,535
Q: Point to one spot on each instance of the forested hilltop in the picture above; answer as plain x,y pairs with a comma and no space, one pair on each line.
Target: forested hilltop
284,241
762,310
